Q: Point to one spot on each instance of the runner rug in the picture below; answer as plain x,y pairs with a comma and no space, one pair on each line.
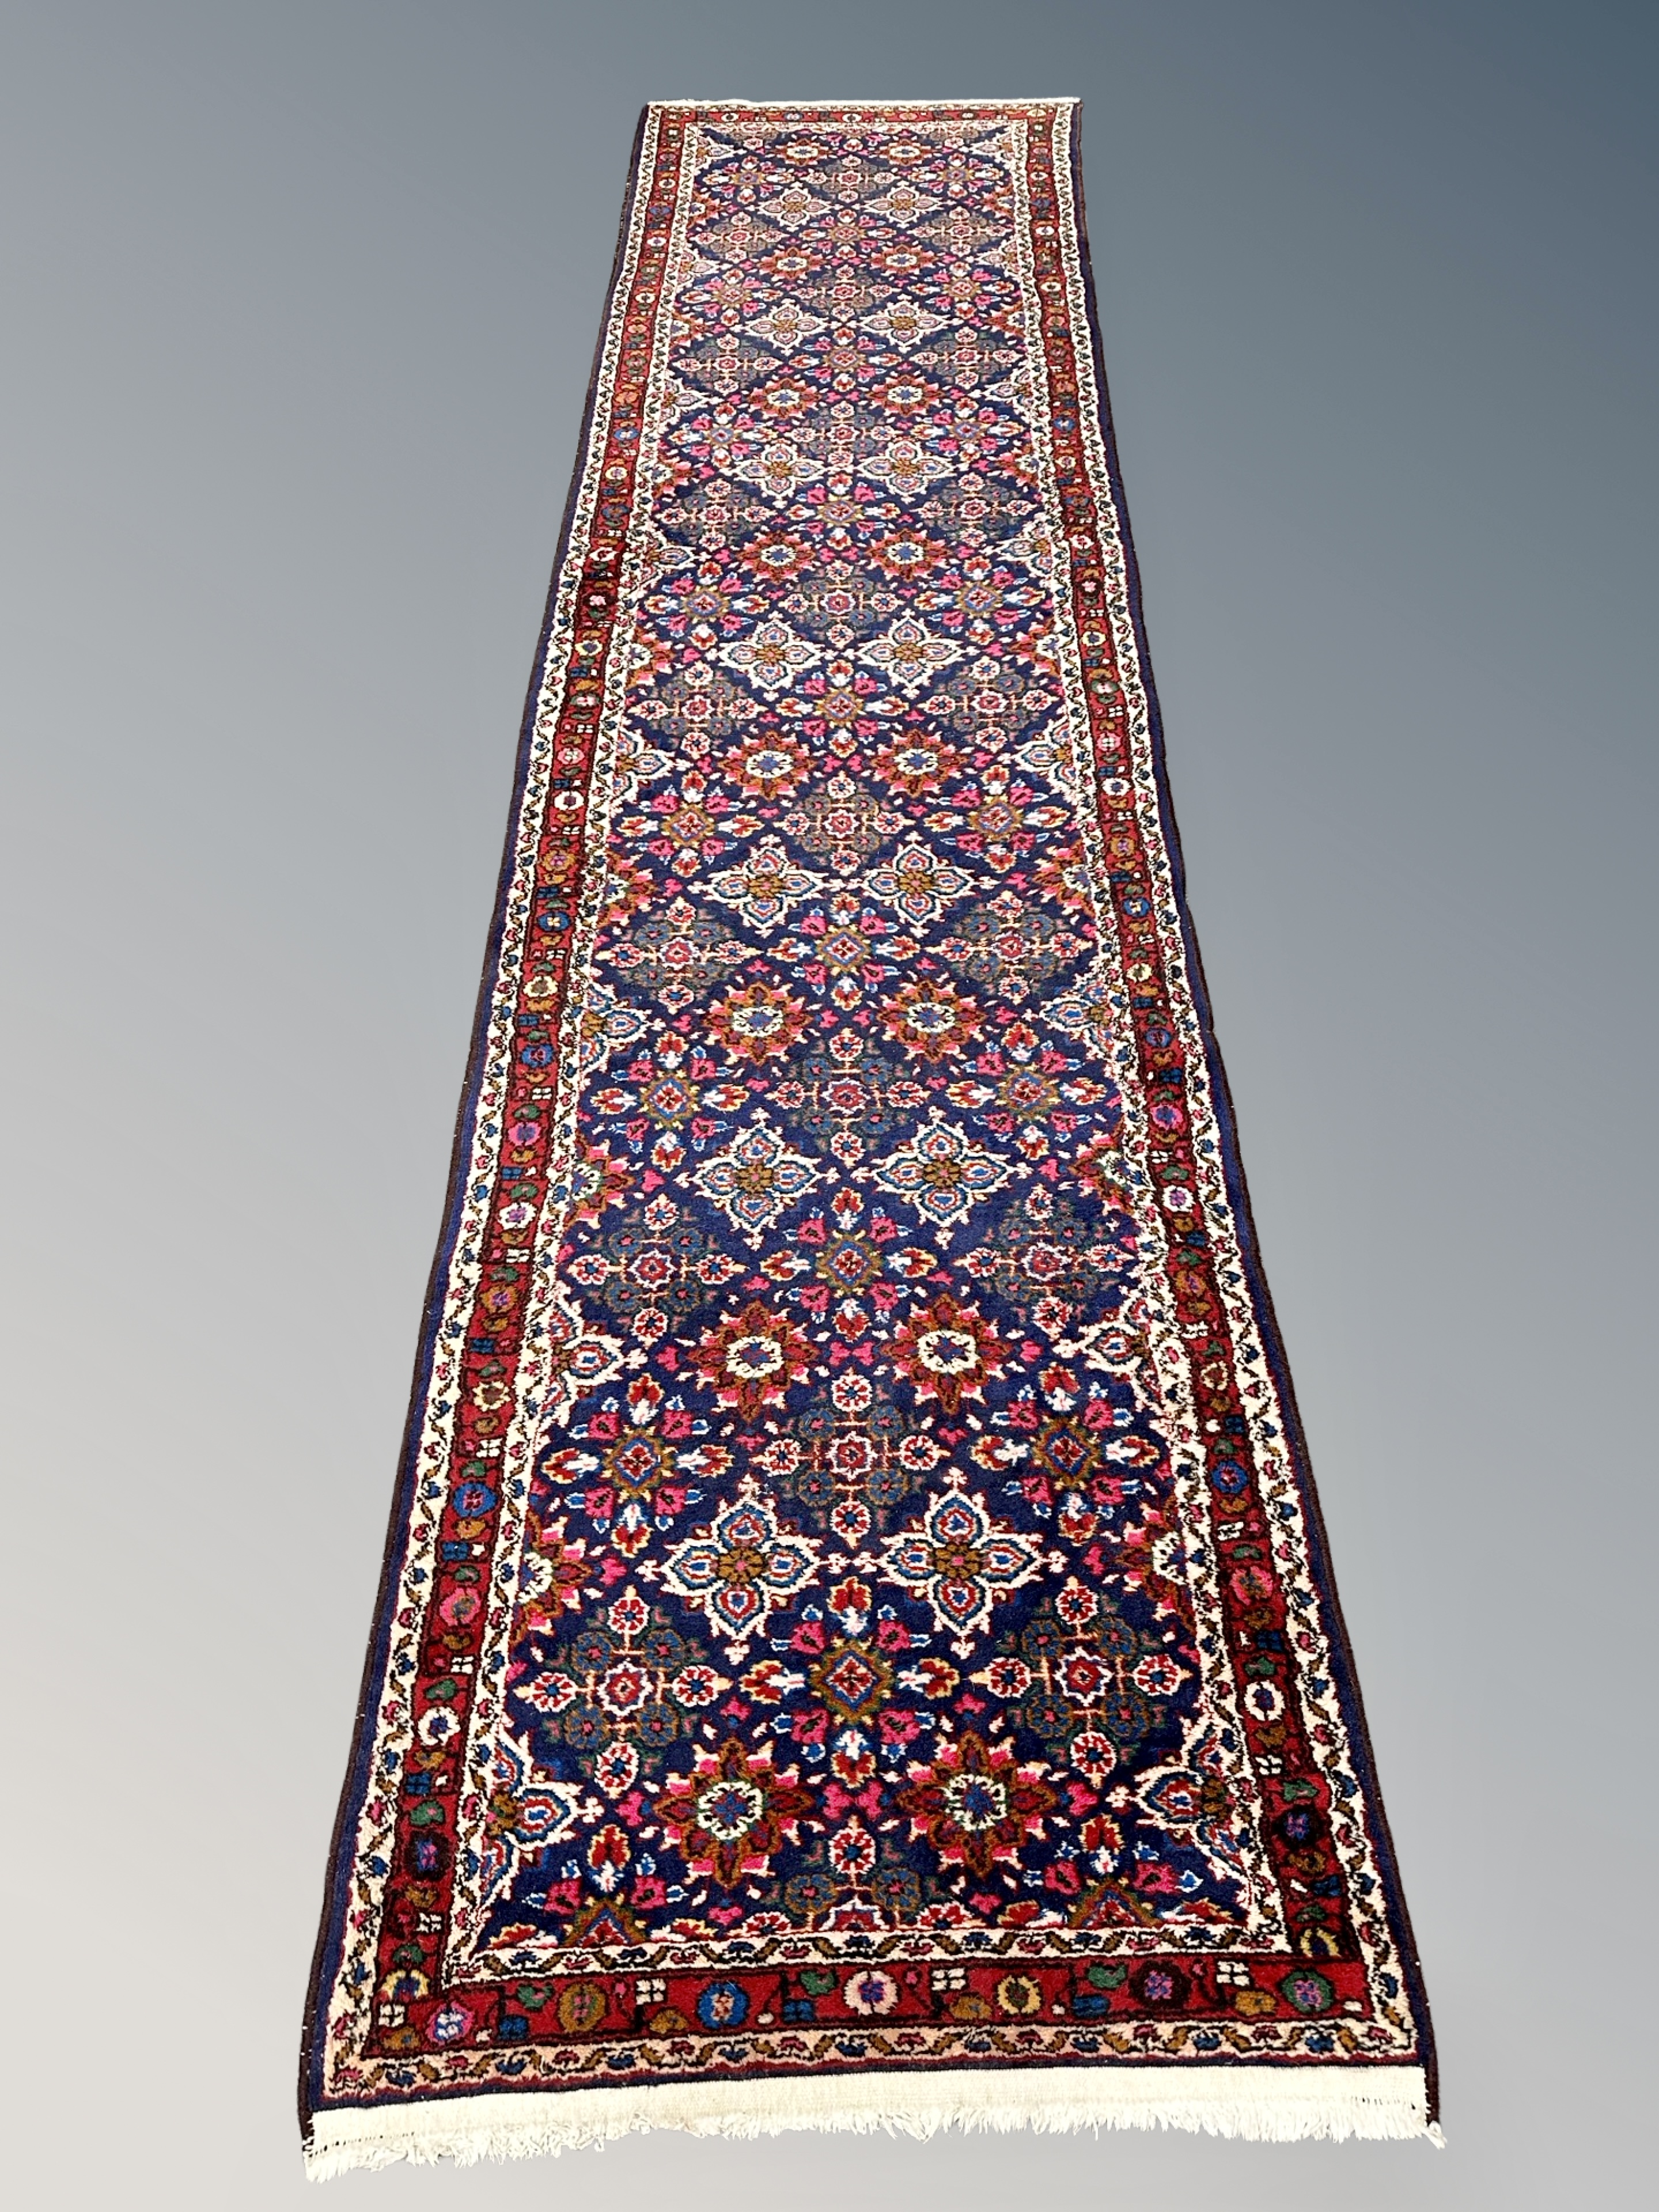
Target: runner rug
856,1646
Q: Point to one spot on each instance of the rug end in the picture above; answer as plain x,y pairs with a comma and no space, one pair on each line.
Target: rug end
1262,2103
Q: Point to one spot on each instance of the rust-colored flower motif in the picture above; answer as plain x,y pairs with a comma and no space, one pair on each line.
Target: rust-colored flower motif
734,1812
775,557
998,821
1099,1167
597,1181
752,1359
947,1351
917,762
908,552
757,1022
551,1578
975,1805
768,764
1063,876
932,1021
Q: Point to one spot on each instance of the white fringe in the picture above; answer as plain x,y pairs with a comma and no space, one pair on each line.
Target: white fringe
1268,2104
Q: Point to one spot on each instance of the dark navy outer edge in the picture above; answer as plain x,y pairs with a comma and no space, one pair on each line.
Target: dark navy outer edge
329,1939
1343,1670
331,1934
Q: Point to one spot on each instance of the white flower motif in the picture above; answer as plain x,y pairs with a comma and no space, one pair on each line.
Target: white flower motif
610,1025
909,656
755,1178
778,469
903,324
903,204
535,1575
786,326
1051,758
771,657
1036,547
793,206
917,883
766,885
1089,1012
961,1561
741,1566
941,1173
869,1990
906,468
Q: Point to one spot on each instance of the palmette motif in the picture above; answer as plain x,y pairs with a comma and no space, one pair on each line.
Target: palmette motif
854,1602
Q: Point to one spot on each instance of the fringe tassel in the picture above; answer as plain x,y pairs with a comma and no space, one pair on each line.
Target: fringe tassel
1266,2104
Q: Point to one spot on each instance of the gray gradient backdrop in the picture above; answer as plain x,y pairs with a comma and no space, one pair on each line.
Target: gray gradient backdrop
298,304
